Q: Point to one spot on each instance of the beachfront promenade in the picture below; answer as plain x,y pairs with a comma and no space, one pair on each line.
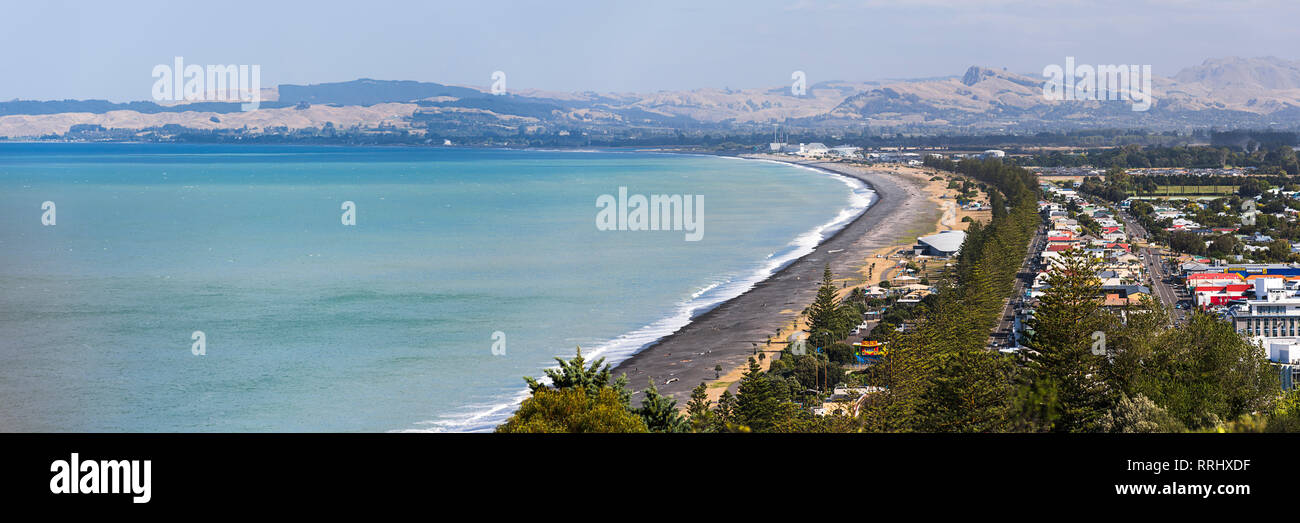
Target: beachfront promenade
730,333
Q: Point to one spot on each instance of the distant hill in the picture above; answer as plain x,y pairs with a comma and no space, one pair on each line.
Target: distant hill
366,92
1223,93
102,106
1220,92
1267,73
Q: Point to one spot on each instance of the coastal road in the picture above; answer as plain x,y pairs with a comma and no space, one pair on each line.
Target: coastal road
1024,279
730,333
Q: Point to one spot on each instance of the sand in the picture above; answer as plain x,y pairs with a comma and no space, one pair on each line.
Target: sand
907,207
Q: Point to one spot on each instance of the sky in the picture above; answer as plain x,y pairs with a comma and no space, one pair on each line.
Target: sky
60,49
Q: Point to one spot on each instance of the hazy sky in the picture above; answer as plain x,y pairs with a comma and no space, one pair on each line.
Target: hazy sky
69,49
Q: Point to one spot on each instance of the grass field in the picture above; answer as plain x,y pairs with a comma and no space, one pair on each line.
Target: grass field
1190,190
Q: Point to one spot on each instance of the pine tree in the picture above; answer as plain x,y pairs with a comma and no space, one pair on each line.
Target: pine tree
660,413
1061,348
824,318
757,399
724,414
574,373
698,409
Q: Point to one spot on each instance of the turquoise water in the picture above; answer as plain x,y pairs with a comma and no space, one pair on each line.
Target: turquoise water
312,325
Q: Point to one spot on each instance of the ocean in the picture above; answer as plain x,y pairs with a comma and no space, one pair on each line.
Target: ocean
464,270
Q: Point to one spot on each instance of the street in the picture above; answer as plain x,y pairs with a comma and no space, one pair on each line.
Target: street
1024,279
1161,279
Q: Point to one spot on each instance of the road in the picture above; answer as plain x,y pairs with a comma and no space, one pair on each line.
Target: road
1161,278
1024,279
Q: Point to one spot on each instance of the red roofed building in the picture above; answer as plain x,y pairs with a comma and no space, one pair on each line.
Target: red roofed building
1210,295
1212,279
1213,276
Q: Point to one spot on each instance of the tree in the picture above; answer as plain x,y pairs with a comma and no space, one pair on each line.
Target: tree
1035,407
1204,373
701,418
1279,250
1139,414
998,204
824,318
717,371
757,399
1285,416
1223,246
575,373
724,414
578,399
573,410
1061,349
1186,242
660,413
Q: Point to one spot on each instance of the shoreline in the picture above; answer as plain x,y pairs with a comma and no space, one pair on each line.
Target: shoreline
657,331
734,330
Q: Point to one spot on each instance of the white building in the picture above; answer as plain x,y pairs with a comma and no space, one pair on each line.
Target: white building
846,151
1283,350
946,243
813,149
1274,313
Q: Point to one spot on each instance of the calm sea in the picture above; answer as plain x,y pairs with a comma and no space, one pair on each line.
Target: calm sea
312,325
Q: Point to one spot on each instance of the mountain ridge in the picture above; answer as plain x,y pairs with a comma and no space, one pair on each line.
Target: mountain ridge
1225,91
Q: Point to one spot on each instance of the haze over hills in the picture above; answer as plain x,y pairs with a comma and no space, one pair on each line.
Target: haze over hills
1221,92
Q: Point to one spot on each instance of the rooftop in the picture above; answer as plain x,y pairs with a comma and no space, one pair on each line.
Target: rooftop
946,241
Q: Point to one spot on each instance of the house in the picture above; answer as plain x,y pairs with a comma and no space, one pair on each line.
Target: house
1121,295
